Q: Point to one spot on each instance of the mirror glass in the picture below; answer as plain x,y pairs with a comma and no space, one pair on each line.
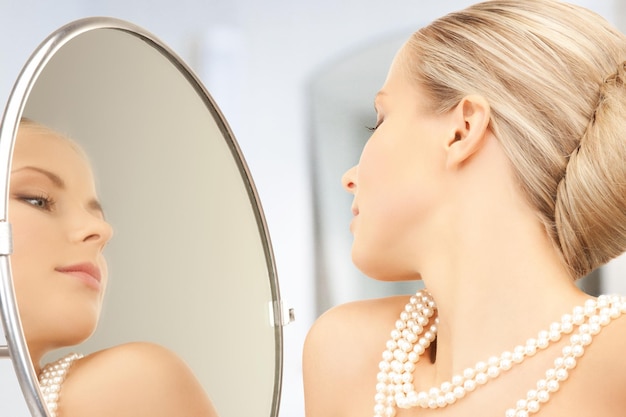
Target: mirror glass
190,263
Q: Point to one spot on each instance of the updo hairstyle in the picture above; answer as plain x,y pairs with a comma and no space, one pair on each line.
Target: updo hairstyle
554,76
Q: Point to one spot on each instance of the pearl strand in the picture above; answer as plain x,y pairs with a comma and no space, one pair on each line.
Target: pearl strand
403,351
600,313
51,378
395,378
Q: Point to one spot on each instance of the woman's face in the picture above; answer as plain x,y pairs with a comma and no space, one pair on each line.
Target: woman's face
398,183
59,234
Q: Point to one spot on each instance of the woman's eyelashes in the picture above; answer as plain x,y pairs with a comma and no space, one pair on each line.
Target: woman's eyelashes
39,201
372,129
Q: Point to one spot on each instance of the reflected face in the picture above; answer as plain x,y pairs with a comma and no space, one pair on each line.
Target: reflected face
59,234
398,181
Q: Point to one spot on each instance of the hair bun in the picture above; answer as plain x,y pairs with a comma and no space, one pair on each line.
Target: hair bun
590,211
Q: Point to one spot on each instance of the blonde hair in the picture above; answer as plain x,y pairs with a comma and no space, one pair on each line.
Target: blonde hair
36,127
554,77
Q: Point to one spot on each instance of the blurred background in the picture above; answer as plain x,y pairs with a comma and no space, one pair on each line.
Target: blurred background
296,81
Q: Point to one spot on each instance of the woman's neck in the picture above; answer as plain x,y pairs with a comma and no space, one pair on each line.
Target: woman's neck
496,284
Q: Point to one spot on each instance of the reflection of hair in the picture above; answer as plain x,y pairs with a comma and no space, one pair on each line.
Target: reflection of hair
554,77
26,123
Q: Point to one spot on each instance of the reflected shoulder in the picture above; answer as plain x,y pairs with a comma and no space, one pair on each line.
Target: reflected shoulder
133,379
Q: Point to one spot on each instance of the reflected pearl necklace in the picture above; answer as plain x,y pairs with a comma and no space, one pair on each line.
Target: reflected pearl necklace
51,378
409,341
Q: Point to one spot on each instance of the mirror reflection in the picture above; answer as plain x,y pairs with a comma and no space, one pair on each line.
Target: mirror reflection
60,275
189,267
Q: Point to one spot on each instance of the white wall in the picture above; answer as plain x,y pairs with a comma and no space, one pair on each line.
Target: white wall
278,46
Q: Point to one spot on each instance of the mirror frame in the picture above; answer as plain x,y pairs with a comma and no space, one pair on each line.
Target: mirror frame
16,348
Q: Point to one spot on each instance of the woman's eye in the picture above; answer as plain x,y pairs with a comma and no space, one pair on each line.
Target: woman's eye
41,202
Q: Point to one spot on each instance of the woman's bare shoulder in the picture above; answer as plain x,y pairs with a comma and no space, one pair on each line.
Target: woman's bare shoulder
355,320
133,379
342,350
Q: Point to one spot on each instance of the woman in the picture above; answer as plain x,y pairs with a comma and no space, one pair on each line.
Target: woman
60,276
496,175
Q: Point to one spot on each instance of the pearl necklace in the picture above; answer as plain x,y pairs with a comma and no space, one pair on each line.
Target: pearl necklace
409,341
50,379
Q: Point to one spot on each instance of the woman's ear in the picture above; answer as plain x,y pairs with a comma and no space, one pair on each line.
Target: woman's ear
470,126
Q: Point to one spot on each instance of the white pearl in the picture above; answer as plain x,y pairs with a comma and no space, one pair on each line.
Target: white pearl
569,363
559,362
578,351
531,348
543,396
561,374
493,361
457,380
533,406
481,378
469,385
553,385
450,398
493,372
468,373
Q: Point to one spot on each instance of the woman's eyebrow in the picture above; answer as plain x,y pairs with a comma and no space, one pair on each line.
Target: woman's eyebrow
56,180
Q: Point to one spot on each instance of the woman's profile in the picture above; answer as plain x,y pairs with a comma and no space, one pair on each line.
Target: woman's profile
495,174
60,277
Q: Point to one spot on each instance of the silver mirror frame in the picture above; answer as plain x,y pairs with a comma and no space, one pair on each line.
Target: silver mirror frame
16,348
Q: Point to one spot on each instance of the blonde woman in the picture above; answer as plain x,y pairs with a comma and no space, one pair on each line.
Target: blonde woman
496,174
60,277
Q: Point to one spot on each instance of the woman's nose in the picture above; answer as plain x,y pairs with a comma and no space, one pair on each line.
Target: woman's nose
104,231
95,229
348,179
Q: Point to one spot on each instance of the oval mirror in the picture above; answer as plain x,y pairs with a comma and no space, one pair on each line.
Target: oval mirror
190,265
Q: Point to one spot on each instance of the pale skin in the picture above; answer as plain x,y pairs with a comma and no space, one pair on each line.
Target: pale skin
435,199
57,224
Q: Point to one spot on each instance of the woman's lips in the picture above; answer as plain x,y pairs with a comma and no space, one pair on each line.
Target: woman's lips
355,213
86,272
